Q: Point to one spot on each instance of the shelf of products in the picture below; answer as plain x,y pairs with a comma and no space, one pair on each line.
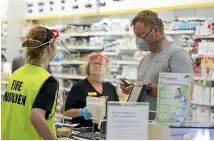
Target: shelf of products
4,82
86,48
111,33
69,76
68,63
126,62
200,103
66,89
211,36
179,32
110,53
183,27
129,78
86,34
3,36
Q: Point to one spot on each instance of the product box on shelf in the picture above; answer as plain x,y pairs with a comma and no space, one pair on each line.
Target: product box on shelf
201,95
34,8
212,97
69,7
43,8
212,118
192,114
130,72
197,67
205,48
202,114
4,11
204,26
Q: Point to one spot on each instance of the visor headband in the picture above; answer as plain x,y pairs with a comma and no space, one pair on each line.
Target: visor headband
98,57
49,35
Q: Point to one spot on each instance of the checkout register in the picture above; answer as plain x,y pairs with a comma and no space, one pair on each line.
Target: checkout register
138,94
155,131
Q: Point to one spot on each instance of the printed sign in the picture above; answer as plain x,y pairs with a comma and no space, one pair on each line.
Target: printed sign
127,121
173,97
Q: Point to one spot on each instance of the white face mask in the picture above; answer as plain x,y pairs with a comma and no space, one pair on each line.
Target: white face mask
142,44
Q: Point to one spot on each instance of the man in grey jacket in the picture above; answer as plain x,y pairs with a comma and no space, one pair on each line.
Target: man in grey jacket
165,56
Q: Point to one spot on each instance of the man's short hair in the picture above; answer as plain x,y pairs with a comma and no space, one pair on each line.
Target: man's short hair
149,18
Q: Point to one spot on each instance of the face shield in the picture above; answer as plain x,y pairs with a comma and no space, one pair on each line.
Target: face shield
98,67
57,41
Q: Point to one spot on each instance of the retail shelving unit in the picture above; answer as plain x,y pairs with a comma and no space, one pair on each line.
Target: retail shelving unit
111,33
67,76
68,62
85,48
211,36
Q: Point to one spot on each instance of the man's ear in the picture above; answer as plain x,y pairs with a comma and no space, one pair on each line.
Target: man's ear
156,29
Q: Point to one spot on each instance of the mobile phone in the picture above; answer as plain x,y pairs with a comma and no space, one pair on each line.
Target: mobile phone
127,83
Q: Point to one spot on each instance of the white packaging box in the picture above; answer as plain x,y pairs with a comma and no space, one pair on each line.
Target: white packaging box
196,94
201,96
4,10
202,114
92,9
42,10
205,48
129,72
56,8
45,7
212,117
33,8
205,96
212,97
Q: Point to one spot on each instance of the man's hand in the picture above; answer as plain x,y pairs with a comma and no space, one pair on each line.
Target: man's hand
141,82
154,87
125,89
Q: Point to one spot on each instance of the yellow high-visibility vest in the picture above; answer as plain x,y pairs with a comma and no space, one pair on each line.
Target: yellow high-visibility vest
22,89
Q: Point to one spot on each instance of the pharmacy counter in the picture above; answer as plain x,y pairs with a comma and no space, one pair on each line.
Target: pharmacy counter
163,132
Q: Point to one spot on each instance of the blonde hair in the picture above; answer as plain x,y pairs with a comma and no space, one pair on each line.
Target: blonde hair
36,37
149,18
87,66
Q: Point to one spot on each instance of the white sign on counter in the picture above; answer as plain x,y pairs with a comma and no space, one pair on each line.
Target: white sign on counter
127,121
97,107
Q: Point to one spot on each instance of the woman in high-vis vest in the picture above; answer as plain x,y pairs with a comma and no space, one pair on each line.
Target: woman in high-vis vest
29,103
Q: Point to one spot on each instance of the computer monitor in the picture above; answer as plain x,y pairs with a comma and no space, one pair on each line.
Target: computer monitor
138,93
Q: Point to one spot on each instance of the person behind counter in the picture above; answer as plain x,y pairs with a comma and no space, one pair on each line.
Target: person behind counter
29,104
75,105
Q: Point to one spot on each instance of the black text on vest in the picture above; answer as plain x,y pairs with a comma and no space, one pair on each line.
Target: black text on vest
16,85
15,98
